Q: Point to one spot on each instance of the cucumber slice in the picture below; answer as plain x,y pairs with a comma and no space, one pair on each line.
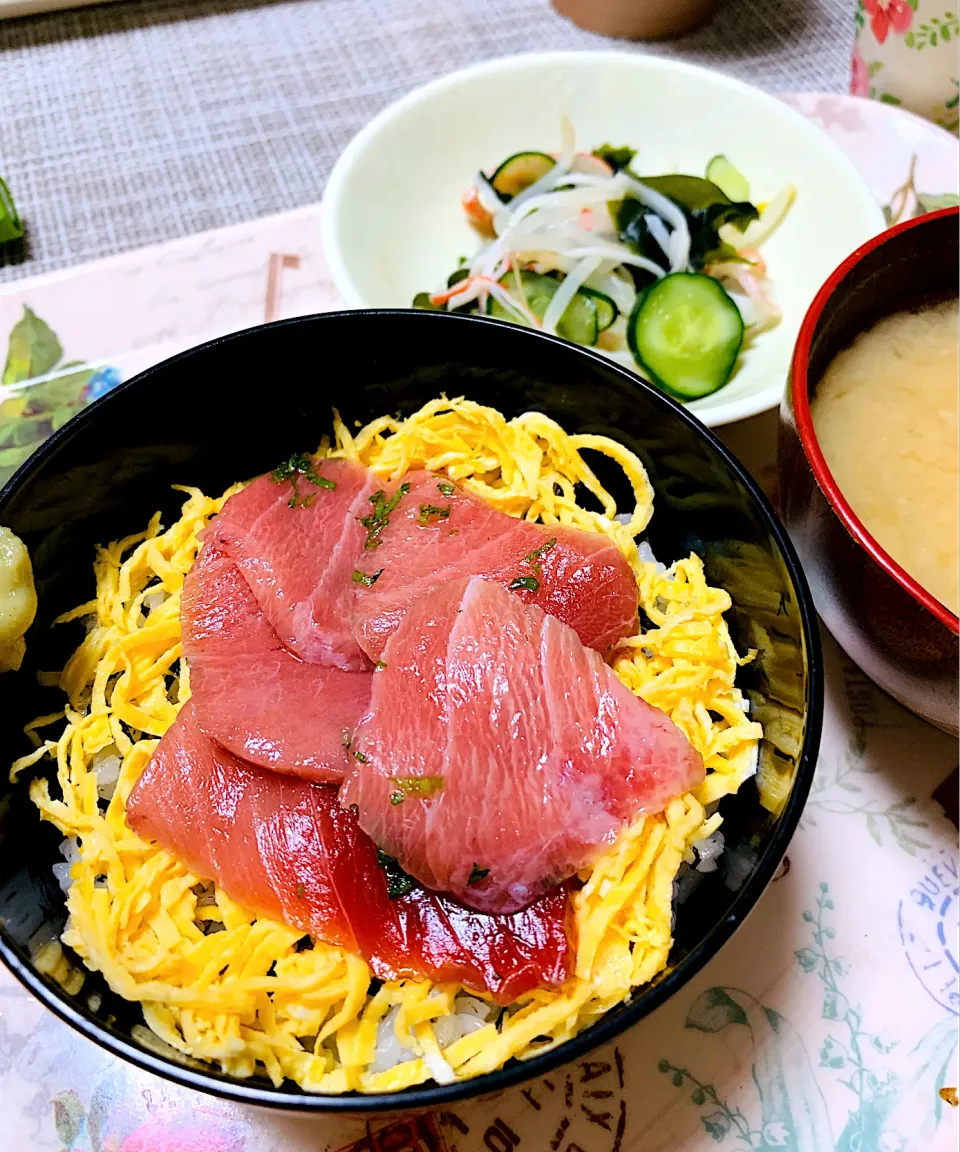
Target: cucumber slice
520,171
686,333
607,311
579,324
728,179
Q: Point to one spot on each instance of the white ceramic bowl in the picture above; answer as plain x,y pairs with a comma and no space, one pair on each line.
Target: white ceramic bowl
393,226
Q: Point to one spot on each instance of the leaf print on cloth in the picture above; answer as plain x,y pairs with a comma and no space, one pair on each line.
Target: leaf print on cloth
946,115
793,1114
68,1117
846,1051
839,790
885,15
934,31
41,391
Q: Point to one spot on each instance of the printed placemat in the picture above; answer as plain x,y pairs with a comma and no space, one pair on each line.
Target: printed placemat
830,1021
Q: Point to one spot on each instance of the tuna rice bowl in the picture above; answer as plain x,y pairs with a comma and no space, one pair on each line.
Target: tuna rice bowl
387,765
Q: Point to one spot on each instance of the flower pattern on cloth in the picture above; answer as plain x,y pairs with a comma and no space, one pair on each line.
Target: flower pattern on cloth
889,14
859,74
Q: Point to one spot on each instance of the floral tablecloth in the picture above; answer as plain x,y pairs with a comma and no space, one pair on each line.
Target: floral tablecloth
828,1022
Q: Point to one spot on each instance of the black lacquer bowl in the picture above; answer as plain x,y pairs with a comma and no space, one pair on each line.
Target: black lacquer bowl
235,407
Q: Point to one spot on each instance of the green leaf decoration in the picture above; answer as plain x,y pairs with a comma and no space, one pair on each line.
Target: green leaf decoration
884,1042
832,1055
777,1022
24,430
909,40
10,226
874,67
12,458
33,350
59,392
717,1125
932,202
714,1010
807,959
834,1005
68,1116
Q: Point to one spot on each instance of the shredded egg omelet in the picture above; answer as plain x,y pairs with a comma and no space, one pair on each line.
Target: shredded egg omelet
243,996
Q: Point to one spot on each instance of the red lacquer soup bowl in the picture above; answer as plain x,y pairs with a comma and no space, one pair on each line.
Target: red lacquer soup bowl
898,633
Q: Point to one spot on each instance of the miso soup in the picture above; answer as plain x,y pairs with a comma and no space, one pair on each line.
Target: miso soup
886,416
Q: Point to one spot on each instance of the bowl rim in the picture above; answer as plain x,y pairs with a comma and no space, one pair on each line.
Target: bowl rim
608,1026
800,384
715,411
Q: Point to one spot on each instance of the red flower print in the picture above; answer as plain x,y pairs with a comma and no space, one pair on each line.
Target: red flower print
160,1136
887,14
859,74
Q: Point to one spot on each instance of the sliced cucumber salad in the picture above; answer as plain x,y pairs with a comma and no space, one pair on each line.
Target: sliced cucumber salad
686,332
660,272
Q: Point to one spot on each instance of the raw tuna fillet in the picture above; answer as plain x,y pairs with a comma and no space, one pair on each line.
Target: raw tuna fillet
500,755
439,532
249,693
285,848
296,543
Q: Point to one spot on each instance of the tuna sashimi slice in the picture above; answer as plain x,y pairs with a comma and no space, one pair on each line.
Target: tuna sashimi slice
260,835
285,848
499,755
295,536
440,532
249,693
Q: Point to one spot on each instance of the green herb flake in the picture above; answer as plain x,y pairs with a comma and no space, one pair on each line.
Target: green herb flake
360,756
367,581
421,786
380,665
534,558
524,584
291,470
379,518
345,738
401,886
430,513
397,797
398,882
478,874
446,489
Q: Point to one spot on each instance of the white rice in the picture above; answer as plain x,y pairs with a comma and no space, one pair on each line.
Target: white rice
62,873
70,851
645,552
468,1015
707,851
106,765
